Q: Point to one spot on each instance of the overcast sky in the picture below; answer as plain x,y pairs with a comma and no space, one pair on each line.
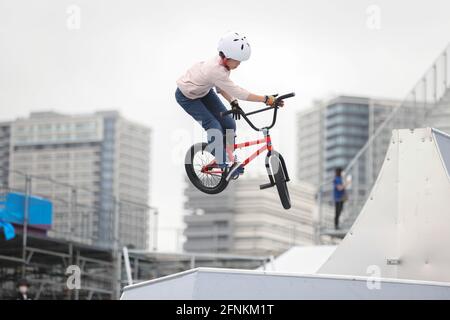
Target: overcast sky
127,55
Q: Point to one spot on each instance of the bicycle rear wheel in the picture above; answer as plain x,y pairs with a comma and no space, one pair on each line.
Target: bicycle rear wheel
196,159
280,181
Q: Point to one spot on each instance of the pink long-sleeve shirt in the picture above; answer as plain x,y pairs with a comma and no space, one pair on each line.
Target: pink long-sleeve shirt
203,76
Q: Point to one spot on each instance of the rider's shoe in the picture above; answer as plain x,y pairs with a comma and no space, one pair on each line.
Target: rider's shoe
235,170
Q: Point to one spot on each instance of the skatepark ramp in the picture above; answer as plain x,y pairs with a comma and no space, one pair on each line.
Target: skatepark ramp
403,228
426,105
396,249
230,284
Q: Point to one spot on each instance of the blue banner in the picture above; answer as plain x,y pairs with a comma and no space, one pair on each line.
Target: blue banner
12,209
8,230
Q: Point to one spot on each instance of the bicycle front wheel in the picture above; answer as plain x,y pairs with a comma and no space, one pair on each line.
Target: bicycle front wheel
208,181
280,181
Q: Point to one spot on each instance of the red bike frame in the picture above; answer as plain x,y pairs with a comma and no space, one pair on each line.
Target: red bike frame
209,168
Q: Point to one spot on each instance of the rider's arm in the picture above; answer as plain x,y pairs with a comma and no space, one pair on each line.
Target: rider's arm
255,98
233,90
251,96
225,95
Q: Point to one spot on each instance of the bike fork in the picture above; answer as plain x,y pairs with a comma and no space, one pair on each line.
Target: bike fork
268,166
267,162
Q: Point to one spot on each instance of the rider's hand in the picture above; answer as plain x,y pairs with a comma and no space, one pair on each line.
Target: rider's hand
272,101
235,110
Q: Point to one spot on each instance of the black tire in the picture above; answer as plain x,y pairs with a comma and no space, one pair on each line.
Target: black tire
207,183
279,177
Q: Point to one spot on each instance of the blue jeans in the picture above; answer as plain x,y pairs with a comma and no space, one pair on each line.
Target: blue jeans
206,111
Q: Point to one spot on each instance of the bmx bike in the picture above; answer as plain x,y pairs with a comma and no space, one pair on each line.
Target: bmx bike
204,173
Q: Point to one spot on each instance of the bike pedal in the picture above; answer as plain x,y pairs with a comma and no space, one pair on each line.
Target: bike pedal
266,186
237,173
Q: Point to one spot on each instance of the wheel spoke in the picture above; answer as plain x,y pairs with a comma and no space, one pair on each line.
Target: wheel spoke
199,161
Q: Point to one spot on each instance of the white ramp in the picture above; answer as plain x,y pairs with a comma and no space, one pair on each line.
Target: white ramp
398,248
230,284
403,230
300,259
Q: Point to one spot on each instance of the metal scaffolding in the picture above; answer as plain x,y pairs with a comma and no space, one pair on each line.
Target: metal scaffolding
49,262
77,237
45,262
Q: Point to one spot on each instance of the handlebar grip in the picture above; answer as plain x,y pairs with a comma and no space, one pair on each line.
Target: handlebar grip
285,96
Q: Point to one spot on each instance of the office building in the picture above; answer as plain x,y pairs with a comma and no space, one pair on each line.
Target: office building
332,132
93,167
246,220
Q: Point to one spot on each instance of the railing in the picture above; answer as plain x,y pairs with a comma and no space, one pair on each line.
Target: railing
416,110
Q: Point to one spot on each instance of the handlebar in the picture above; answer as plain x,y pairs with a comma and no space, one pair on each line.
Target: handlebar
275,108
286,96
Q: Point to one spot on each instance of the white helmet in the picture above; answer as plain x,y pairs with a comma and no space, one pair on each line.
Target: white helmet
235,46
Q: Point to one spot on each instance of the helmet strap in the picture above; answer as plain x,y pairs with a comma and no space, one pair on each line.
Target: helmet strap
223,62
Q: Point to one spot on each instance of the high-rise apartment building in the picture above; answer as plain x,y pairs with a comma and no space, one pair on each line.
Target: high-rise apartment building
332,132
103,156
5,146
